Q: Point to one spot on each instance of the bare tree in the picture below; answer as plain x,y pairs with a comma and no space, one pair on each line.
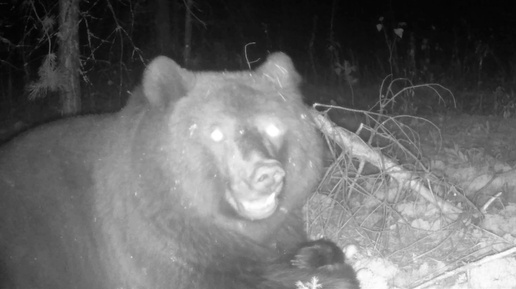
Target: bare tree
188,32
68,56
163,28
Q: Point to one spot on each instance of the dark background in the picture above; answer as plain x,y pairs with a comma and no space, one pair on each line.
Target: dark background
464,45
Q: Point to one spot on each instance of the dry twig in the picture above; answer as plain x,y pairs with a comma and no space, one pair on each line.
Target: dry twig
356,147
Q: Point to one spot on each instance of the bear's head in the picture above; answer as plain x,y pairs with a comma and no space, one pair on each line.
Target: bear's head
234,147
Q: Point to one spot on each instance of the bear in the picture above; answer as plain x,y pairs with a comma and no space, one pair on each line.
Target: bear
198,182
321,258
317,254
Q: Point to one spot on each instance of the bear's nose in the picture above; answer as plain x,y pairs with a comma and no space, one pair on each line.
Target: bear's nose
268,178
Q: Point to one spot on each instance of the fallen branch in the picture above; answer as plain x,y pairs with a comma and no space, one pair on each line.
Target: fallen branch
356,147
467,267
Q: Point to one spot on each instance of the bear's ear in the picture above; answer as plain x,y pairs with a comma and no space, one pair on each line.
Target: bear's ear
165,82
279,69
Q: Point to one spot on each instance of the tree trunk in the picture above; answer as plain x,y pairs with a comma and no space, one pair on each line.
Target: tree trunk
188,32
68,56
163,28
176,28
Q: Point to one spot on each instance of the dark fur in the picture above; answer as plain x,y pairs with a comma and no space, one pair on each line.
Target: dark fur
325,259
150,197
317,254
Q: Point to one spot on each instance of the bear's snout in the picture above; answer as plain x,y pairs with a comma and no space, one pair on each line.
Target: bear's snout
268,178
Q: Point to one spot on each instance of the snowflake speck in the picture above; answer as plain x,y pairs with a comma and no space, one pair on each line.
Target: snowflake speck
192,129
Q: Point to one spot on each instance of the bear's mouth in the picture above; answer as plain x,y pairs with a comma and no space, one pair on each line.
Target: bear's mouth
255,209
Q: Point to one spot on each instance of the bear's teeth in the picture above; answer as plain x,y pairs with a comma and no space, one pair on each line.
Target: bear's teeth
262,204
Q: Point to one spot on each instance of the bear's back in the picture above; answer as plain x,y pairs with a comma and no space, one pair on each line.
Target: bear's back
46,187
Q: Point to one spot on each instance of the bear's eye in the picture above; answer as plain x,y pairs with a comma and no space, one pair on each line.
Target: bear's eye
217,135
272,131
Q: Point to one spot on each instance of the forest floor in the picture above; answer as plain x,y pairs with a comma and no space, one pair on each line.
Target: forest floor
403,241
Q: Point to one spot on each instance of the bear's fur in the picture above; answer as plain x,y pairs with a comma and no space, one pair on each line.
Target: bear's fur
197,183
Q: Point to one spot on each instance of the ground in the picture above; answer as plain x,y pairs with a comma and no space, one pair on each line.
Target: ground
403,241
